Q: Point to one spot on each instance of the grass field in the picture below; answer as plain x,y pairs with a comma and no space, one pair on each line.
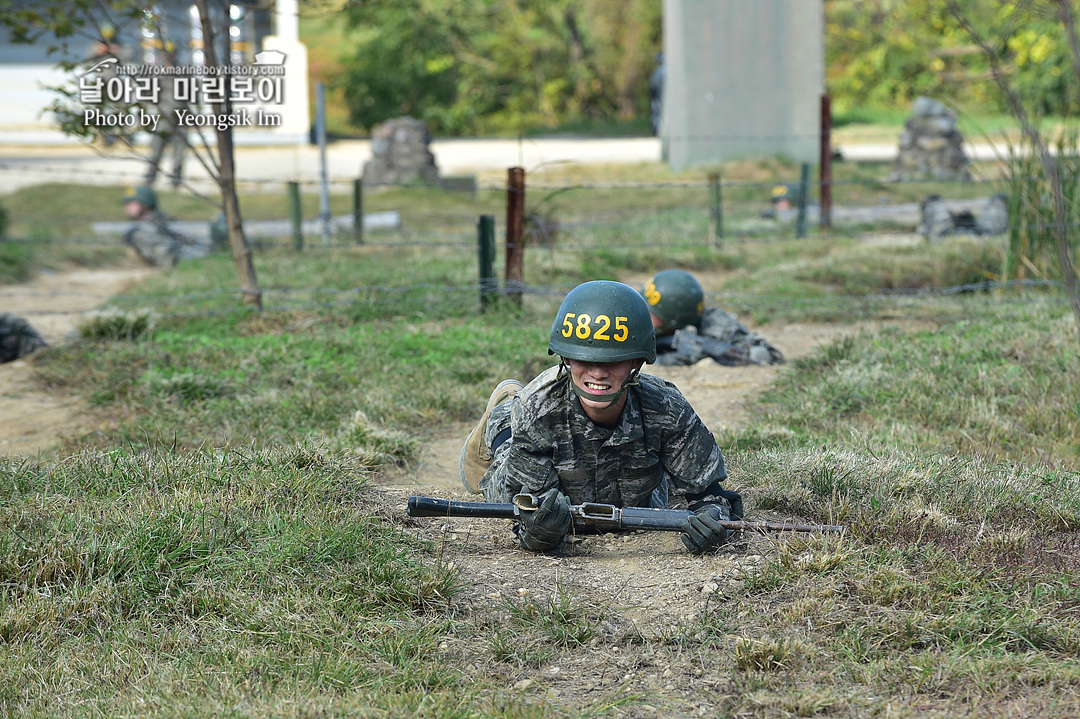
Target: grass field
219,546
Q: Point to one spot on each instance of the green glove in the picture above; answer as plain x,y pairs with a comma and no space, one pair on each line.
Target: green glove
543,529
703,531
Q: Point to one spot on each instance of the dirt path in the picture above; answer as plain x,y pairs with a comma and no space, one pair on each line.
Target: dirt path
32,420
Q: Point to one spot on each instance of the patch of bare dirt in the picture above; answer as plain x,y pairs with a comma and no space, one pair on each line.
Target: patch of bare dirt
32,420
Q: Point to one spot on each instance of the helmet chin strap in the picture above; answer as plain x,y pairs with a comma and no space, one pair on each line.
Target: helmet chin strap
610,397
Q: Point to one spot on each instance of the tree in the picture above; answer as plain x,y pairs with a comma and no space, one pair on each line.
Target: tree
66,21
226,175
478,66
884,53
992,30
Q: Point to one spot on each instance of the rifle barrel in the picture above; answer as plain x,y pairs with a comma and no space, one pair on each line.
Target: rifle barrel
779,527
433,507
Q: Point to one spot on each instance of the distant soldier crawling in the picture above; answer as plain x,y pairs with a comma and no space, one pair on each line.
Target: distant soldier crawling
594,429
688,332
17,338
151,238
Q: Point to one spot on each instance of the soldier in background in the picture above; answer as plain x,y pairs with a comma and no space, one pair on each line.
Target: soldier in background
17,338
170,134
594,429
688,332
151,238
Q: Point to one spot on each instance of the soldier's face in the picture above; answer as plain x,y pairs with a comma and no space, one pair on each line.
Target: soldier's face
134,209
600,378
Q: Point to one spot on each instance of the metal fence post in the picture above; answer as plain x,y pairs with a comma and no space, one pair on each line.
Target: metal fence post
296,215
717,210
324,183
358,210
485,237
804,191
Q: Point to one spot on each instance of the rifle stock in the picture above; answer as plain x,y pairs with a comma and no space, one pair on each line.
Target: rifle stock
605,517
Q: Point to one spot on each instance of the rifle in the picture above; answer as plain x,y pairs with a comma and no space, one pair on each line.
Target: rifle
602,517
665,343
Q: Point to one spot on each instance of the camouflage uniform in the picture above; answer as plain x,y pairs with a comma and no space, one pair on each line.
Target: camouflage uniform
17,338
719,325
660,444
159,245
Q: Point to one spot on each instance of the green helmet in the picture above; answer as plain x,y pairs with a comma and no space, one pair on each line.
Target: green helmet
676,297
791,193
603,321
142,194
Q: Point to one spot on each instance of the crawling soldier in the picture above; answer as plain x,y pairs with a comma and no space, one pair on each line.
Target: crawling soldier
594,429
688,332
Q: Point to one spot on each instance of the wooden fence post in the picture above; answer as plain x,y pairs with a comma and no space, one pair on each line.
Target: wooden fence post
825,191
515,234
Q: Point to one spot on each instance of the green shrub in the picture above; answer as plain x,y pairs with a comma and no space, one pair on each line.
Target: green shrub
115,324
15,261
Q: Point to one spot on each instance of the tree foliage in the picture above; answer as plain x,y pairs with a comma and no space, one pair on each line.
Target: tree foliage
884,53
478,66
1043,203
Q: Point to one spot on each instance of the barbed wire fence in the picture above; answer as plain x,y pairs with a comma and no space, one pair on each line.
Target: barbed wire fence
939,305
696,202
661,217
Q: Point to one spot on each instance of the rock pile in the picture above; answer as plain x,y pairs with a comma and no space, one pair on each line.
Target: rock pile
989,216
930,145
400,154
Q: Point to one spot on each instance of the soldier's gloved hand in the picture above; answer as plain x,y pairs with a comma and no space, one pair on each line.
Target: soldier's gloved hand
542,529
734,500
703,531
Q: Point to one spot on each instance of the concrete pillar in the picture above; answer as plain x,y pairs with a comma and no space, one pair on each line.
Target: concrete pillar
742,79
295,116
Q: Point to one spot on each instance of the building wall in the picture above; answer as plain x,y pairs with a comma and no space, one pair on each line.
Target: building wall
742,78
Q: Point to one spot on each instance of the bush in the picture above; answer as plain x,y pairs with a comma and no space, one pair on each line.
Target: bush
15,261
117,325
